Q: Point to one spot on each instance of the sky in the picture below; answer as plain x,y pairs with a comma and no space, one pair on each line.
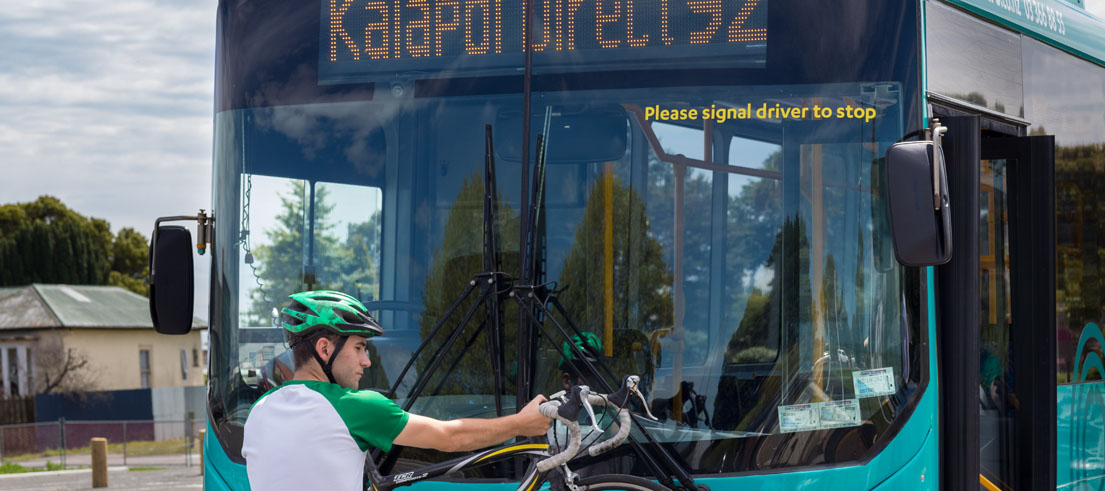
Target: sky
108,107
1096,7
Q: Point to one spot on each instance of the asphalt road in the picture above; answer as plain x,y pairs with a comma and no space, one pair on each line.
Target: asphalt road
168,478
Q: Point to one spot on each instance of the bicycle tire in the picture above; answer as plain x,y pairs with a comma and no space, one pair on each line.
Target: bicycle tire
618,482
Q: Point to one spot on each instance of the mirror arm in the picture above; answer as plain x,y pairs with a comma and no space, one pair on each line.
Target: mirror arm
938,131
205,232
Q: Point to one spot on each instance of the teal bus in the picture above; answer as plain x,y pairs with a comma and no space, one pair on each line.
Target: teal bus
705,186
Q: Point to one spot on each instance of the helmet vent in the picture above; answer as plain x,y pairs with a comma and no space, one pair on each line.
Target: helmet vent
301,307
349,317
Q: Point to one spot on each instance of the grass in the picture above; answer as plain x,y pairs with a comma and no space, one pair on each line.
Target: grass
160,447
13,468
140,469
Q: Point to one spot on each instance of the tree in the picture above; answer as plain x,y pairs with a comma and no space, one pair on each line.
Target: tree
465,367
1080,275
62,369
753,242
130,267
361,272
46,242
642,280
282,265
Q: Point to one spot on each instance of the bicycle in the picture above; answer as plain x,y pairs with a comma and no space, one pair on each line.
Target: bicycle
564,407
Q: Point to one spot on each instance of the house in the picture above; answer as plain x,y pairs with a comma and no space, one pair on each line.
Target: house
82,337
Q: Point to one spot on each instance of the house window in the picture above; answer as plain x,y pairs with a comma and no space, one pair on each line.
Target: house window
195,357
183,364
13,373
144,367
13,370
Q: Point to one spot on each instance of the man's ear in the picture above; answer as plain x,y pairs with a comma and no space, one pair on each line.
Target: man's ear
323,347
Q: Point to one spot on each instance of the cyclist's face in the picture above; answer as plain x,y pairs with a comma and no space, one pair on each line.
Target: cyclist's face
568,380
352,362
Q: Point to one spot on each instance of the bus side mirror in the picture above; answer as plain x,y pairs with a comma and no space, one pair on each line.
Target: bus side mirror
917,195
171,279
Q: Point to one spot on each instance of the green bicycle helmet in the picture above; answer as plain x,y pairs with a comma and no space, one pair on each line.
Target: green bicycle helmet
331,311
587,343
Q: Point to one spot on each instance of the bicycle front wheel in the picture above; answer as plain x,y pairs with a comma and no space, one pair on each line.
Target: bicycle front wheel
618,482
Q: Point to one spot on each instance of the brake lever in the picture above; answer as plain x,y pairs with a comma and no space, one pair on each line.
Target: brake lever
632,384
584,392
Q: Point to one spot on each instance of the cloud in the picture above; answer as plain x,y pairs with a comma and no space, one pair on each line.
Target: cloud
108,106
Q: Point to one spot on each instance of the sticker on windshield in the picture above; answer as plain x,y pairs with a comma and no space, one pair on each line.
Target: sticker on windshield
835,414
799,417
872,383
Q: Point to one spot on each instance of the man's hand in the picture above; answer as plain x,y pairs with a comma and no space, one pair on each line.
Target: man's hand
530,420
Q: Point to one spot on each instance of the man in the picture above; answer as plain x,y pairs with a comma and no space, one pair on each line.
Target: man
571,368
313,432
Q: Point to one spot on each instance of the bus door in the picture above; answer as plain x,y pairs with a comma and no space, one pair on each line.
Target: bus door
997,309
1017,318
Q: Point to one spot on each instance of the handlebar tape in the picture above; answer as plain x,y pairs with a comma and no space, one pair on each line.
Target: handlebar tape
624,424
551,410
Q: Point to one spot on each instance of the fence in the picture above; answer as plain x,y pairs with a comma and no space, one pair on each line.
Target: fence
133,443
17,410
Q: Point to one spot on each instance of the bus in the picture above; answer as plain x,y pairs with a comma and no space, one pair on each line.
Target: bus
704,185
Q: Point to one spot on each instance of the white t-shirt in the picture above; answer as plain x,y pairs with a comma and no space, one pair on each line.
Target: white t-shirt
315,435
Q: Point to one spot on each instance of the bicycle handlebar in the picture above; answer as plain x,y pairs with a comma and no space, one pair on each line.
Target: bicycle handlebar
567,411
551,410
624,424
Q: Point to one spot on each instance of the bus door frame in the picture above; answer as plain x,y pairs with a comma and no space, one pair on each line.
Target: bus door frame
957,310
975,135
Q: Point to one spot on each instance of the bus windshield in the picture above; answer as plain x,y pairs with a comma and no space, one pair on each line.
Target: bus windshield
726,241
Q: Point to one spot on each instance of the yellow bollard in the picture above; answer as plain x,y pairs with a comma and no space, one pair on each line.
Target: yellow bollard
203,431
99,462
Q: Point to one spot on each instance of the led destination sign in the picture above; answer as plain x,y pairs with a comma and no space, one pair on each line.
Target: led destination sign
361,37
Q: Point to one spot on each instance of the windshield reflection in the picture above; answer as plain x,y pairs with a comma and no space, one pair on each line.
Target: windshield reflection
741,268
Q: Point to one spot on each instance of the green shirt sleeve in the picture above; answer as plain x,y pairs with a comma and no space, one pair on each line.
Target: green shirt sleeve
373,420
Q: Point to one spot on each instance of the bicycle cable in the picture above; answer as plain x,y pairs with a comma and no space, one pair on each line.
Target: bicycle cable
595,426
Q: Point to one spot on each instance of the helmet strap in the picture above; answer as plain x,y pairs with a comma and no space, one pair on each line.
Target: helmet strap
327,365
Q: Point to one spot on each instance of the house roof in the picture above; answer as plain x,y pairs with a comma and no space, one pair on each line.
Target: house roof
41,306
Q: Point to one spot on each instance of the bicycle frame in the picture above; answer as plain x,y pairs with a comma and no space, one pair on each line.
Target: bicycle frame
532,479
563,406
